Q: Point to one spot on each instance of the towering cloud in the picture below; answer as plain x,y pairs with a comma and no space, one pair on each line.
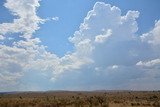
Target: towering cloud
107,53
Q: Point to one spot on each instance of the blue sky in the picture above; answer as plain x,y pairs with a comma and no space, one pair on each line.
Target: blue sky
79,45
71,14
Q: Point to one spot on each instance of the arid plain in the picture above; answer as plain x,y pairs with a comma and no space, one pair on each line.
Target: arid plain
81,99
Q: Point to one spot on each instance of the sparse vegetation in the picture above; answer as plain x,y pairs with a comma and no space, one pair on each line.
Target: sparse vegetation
81,99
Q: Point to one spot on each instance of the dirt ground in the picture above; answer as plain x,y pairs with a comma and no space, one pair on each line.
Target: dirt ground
81,99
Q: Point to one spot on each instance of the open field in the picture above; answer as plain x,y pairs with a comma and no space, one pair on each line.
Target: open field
81,99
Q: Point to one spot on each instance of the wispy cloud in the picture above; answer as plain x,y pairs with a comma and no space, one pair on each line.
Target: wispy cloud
55,18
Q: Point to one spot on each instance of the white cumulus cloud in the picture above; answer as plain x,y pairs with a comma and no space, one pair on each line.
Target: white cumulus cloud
26,22
152,63
105,42
103,38
153,37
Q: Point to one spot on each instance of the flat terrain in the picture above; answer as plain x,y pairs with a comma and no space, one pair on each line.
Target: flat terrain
81,99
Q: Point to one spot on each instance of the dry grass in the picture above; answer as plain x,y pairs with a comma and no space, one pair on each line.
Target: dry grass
81,99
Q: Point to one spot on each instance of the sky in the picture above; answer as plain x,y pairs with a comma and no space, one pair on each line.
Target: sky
79,45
